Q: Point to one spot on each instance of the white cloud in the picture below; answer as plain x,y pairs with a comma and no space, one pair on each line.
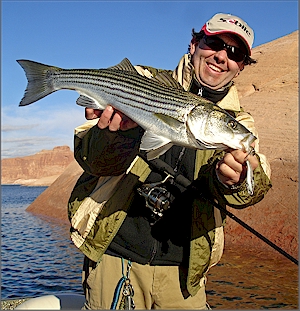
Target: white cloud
30,129
11,128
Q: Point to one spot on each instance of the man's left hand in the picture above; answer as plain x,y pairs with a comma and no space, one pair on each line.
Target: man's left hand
232,168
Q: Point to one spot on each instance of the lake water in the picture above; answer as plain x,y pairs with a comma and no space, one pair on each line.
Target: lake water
37,255
38,258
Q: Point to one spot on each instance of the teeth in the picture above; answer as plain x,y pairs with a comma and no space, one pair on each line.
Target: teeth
214,68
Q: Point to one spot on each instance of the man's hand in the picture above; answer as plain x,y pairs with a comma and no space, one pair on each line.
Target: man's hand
232,168
111,118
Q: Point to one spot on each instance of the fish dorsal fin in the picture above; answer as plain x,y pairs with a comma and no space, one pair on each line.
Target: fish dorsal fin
164,78
124,65
86,102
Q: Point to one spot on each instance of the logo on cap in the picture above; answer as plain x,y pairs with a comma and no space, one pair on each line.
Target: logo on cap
237,23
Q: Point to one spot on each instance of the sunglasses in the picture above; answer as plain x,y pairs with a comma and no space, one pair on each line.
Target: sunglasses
215,43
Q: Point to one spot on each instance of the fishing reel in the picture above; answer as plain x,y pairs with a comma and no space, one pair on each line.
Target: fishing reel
158,198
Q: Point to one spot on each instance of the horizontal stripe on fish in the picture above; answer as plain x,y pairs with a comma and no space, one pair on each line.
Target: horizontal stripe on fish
153,96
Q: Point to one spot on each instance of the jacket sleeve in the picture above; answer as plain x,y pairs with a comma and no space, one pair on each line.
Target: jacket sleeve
105,153
209,185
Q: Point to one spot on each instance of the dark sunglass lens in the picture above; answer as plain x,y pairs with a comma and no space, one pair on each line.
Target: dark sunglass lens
216,44
235,54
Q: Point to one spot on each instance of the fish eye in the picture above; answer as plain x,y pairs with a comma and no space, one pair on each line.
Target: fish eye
232,124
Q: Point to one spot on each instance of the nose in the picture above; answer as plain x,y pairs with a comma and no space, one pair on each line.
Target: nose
221,56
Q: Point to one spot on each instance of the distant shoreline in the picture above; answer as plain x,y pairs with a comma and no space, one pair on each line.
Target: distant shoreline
23,185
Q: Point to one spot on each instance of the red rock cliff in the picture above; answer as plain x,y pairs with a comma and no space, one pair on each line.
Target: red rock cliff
41,168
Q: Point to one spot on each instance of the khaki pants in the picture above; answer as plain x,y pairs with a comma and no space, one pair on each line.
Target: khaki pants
155,287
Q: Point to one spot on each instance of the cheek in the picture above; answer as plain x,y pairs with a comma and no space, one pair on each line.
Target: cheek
199,57
234,68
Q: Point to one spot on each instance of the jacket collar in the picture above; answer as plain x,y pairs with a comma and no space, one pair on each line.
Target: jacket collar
183,73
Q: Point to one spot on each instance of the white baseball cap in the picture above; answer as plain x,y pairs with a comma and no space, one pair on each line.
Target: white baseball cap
227,23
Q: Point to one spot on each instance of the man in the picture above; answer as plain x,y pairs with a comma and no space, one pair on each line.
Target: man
132,256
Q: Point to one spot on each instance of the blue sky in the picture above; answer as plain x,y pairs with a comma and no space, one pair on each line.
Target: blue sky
99,34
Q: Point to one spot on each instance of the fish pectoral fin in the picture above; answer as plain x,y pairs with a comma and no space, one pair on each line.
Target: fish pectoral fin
87,102
172,122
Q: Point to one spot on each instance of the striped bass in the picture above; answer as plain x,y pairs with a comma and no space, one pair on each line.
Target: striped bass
168,114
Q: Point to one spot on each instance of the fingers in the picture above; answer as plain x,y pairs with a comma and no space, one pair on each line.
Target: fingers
111,118
91,113
232,168
236,157
229,170
127,124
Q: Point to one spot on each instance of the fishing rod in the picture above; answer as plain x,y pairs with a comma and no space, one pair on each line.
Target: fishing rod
161,166
280,250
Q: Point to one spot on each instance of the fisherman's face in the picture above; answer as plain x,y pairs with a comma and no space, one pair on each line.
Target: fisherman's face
214,68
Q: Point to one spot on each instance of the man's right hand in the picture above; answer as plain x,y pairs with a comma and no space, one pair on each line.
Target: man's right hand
111,118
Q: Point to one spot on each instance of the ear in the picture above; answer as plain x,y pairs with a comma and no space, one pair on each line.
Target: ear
241,67
193,47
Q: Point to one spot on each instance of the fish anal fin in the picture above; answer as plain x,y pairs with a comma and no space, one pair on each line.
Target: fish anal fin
153,154
152,141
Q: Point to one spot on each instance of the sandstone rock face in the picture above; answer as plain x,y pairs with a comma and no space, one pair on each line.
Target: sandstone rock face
269,91
54,200
273,102
40,169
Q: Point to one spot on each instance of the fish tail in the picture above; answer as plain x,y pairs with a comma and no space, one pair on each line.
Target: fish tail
40,81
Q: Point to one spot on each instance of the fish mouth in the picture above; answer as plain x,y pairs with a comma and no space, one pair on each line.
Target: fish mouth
247,141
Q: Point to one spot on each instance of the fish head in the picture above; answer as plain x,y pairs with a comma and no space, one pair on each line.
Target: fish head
214,128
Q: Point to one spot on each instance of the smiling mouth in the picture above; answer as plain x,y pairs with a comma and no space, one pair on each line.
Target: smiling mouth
215,68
